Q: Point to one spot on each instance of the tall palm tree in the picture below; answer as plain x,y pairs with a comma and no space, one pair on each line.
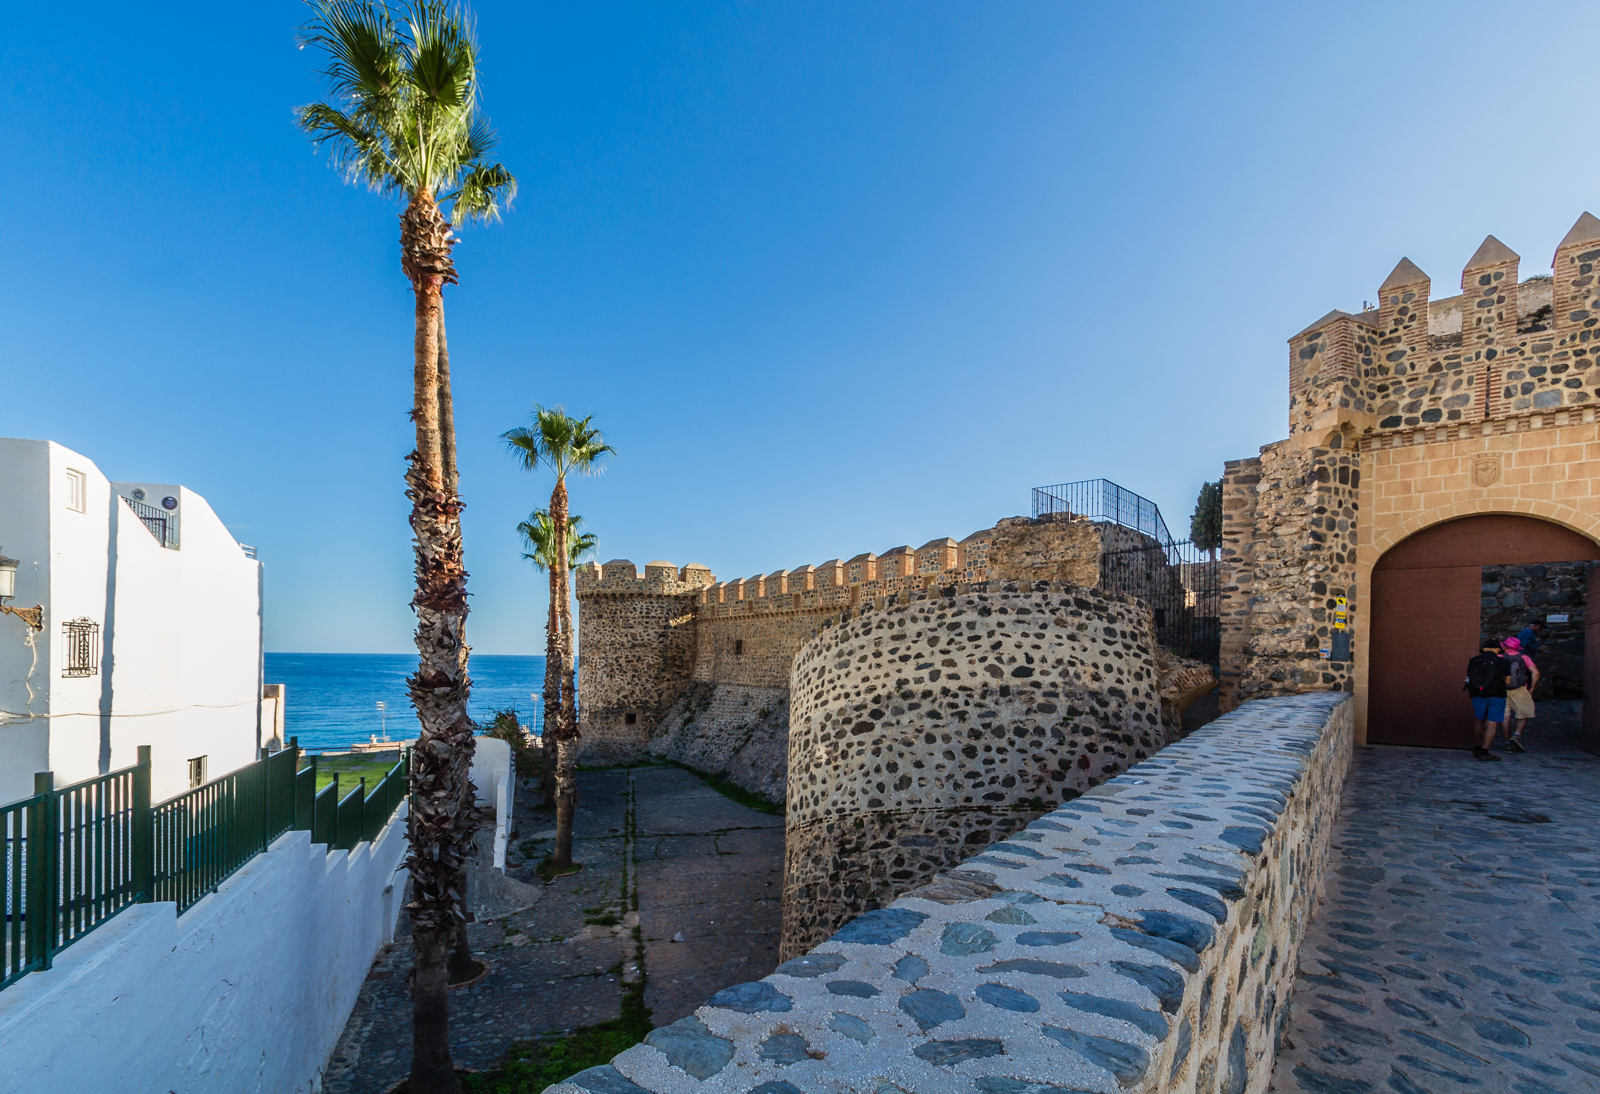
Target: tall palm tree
539,534
403,117
562,444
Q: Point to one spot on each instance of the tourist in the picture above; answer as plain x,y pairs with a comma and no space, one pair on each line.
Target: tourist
1521,678
1486,684
1529,637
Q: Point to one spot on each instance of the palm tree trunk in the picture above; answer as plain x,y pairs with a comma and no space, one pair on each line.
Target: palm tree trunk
462,964
438,821
566,743
552,698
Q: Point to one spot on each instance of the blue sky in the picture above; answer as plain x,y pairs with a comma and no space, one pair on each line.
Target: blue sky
832,277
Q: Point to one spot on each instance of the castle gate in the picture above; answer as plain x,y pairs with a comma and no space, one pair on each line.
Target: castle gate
1424,610
1428,438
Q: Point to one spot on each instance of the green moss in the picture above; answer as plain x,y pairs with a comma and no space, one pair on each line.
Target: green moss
530,1066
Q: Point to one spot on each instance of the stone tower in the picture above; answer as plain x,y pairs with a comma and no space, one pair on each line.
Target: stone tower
637,652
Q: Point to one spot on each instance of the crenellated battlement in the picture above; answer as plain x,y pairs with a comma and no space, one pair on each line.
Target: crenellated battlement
1501,348
622,576
837,584
646,639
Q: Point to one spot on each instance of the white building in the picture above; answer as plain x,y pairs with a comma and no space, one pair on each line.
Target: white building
151,628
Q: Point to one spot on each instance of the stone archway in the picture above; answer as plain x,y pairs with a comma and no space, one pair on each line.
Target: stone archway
1423,620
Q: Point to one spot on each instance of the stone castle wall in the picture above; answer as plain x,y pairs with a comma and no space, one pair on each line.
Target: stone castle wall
733,730
643,639
1142,938
636,652
1415,412
1514,596
921,730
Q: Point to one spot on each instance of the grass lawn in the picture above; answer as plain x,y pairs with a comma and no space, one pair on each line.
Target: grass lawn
351,768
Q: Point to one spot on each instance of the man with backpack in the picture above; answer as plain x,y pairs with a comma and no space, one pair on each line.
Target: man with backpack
1521,679
1486,684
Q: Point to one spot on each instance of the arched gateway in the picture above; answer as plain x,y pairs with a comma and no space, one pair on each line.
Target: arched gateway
1428,439
1426,608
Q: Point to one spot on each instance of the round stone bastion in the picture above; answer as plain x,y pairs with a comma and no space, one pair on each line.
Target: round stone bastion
924,727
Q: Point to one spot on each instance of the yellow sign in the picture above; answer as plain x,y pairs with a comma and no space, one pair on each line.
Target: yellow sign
1341,614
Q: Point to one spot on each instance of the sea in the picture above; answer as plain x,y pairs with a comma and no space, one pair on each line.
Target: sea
334,700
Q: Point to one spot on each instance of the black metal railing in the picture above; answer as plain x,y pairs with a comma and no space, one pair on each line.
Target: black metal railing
1102,499
1180,582
1182,585
162,524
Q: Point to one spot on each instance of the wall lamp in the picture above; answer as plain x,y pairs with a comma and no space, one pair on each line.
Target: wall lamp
33,617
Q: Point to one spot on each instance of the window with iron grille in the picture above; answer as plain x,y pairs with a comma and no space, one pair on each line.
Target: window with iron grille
83,647
197,771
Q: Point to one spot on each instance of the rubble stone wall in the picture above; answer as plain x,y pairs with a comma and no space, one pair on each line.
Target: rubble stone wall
733,730
636,652
923,729
1141,938
1514,596
644,638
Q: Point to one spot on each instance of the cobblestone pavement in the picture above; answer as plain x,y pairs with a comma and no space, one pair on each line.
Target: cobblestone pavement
706,868
1457,946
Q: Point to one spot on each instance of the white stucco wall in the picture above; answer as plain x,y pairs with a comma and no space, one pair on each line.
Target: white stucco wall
494,786
247,991
180,630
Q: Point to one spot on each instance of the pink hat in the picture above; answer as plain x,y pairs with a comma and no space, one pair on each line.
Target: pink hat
1512,644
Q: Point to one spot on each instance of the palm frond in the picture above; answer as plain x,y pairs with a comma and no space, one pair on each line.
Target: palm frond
404,112
539,536
524,444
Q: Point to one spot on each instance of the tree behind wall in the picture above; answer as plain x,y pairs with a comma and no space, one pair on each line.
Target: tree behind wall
1205,527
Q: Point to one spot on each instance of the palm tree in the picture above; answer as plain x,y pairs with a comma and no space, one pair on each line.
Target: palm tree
562,444
539,534
403,117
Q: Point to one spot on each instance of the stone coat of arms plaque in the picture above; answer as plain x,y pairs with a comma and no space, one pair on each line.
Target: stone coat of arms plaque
1486,469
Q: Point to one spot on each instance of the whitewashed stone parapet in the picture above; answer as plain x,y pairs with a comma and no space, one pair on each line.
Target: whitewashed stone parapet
1140,938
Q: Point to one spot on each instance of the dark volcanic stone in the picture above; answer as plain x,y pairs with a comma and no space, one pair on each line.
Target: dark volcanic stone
690,1046
1127,1062
751,998
929,1007
1147,1020
948,1053
879,927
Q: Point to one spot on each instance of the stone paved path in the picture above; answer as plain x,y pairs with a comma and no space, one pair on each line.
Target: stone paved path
1457,947
705,867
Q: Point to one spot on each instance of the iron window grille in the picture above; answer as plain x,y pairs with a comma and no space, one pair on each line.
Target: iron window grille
83,647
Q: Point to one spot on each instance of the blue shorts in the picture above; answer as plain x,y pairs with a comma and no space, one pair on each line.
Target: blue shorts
1489,710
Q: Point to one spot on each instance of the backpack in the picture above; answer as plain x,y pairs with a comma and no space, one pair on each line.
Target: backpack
1486,676
1520,677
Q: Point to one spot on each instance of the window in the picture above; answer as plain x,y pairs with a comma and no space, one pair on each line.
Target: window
82,642
738,647
630,718
197,772
77,487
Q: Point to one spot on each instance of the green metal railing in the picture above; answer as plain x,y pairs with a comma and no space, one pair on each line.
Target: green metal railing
76,856
72,853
